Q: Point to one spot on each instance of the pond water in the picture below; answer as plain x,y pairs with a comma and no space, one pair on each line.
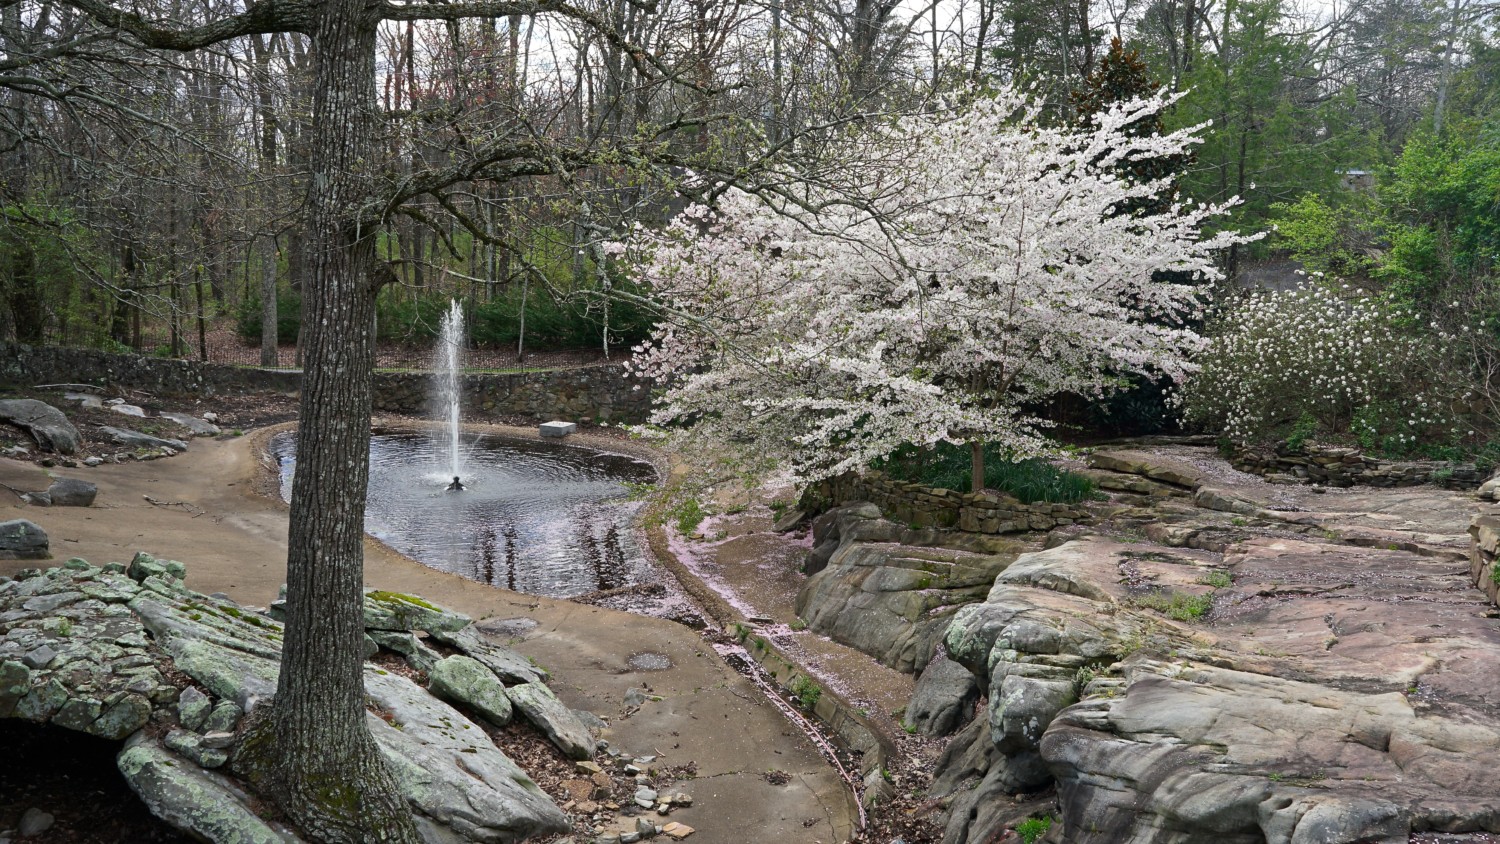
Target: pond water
537,517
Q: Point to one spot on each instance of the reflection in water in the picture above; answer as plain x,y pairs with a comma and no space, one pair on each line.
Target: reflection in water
535,517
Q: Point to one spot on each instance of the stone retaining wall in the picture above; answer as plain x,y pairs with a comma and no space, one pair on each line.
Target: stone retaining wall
931,507
1344,467
1483,550
603,393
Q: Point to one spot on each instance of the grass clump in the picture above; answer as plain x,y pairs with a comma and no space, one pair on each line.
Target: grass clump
1179,606
806,691
948,466
1032,829
1218,579
688,515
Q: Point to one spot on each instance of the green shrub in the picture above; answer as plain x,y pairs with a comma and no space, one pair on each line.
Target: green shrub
948,466
1301,432
573,322
1140,406
1322,237
688,514
1032,829
806,691
1218,579
401,317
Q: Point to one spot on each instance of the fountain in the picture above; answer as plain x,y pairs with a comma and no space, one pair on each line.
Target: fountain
529,515
448,366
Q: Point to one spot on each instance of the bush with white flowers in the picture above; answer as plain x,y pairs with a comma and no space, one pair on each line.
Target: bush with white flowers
1326,360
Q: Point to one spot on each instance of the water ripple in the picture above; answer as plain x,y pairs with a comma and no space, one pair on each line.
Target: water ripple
537,517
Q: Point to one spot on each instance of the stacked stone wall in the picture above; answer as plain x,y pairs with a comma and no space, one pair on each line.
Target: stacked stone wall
602,393
1483,550
1345,467
921,506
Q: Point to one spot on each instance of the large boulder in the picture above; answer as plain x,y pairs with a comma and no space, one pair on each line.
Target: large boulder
46,424
1157,467
198,427
451,771
399,611
71,492
204,804
23,540
135,439
943,700
462,679
506,663
548,714
891,601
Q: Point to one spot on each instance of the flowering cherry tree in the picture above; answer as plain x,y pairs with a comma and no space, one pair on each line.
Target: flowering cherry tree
959,270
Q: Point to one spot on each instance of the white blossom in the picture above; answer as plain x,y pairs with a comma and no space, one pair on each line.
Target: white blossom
965,269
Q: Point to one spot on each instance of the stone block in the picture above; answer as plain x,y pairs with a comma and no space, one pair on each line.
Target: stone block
557,428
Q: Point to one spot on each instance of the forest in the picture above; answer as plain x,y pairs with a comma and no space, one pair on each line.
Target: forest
154,194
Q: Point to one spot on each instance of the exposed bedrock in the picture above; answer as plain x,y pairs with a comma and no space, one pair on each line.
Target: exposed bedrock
1202,754
890,591
1288,690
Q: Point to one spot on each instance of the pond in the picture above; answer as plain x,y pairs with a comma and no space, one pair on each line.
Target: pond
535,516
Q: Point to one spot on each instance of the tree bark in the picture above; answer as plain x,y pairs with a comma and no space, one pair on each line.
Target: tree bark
269,335
313,753
976,466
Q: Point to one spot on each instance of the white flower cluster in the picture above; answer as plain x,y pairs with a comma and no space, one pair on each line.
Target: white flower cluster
1351,362
952,274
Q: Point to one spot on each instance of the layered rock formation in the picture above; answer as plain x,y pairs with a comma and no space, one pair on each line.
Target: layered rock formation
890,591
114,650
1206,665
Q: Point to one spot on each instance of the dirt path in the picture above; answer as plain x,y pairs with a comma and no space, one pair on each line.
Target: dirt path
206,507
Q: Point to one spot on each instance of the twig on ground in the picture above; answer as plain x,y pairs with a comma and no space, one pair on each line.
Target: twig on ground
191,508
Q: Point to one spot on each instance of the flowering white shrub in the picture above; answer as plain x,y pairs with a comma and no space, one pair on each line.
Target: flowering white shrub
1321,358
956,271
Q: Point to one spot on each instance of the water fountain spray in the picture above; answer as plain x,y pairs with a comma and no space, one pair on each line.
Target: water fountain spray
450,348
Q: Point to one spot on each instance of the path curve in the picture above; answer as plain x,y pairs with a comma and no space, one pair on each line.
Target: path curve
213,512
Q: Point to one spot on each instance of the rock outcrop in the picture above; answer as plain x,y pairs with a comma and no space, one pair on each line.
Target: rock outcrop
886,592
1289,689
45,423
135,439
108,650
204,804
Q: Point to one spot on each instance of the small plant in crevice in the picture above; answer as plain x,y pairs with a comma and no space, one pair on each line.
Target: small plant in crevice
1218,579
1031,830
806,692
1178,606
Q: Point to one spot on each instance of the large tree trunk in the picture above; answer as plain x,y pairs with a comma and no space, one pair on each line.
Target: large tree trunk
313,753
